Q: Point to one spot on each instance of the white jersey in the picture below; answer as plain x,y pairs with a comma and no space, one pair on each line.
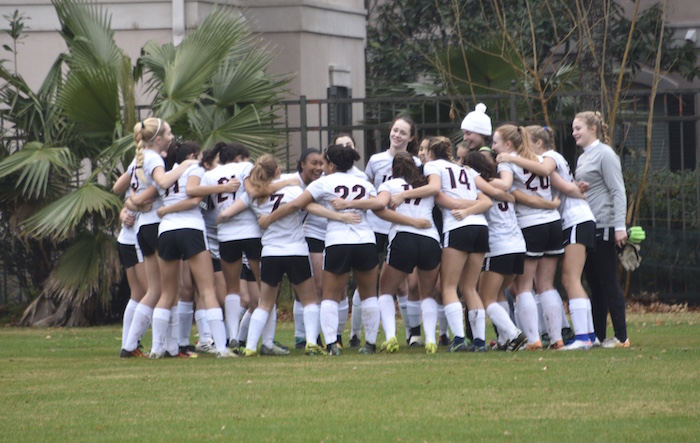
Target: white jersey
355,171
505,237
573,211
127,235
189,218
151,160
532,184
343,185
415,208
314,226
284,237
379,170
458,182
243,225
209,215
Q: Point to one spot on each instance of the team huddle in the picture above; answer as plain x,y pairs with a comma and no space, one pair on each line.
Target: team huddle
489,230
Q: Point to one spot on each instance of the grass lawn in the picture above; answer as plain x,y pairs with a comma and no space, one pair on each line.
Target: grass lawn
70,385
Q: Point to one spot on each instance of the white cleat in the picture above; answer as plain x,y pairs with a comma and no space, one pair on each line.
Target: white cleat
577,345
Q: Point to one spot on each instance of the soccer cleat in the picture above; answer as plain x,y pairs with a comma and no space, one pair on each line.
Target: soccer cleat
567,334
206,346
431,348
354,342
596,343
476,348
517,342
299,342
186,349
545,340
233,344
248,353
613,342
368,348
226,353
332,349
577,345
339,340
154,355
459,346
275,349
415,341
444,340
390,346
280,345
181,354
556,345
536,346
495,346
313,349
129,354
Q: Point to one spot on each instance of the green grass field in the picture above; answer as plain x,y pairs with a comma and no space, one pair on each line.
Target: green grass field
70,385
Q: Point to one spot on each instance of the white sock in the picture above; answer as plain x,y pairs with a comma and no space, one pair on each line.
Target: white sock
591,328
403,309
215,318
506,307
387,314
268,332
312,322
329,321
429,310
541,325
172,343
232,314
140,323
244,325
342,315
442,320
477,321
370,319
126,322
579,316
526,309
500,318
413,312
258,320
185,313
200,318
161,320
299,329
453,312
356,317
551,309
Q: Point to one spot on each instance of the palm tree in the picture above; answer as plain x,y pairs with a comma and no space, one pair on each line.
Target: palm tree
77,137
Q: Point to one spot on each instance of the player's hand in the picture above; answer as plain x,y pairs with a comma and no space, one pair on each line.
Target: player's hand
460,214
232,185
351,218
339,204
162,211
264,221
421,223
127,218
396,200
583,186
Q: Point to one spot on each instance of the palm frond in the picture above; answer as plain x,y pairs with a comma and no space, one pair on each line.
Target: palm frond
155,57
60,218
35,163
89,267
250,126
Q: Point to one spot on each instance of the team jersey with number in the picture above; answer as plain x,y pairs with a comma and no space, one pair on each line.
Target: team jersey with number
243,225
415,208
284,237
379,170
573,211
532,184
505,237
127,235
151,160
348,187
314,226
355,171
457,182
209,213
189,218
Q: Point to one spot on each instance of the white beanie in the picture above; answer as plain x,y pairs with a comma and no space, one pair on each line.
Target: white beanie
477,121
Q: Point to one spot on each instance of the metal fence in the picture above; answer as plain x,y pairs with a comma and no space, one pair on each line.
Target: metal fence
668,208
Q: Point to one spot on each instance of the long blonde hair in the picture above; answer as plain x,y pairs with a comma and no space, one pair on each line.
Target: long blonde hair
542,133
263,172
514,134
595,119
145,132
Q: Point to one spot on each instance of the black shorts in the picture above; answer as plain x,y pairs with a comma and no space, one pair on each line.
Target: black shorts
130,255
506,264
297,268
232,251
471,238
340,259
382,241
181,244
316,246
582,233
543,240
247,273
148,239
409,250
216,262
